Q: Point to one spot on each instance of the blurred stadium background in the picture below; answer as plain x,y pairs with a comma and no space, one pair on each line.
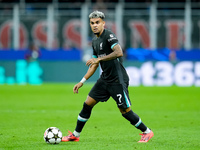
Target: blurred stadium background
50,40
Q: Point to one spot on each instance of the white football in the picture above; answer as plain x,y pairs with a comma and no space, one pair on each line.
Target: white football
52,135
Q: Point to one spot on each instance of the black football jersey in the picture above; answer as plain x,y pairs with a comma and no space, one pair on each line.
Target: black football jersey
112,70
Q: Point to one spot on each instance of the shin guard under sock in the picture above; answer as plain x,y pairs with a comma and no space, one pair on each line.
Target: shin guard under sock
83,117
135,120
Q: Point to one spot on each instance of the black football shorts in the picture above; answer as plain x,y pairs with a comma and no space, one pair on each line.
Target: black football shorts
102,91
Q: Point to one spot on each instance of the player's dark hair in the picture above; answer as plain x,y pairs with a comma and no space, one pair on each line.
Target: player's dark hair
97,14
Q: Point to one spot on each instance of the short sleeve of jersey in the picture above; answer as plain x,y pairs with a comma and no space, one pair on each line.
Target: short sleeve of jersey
112,39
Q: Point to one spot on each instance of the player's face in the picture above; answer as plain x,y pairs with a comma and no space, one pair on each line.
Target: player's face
97,25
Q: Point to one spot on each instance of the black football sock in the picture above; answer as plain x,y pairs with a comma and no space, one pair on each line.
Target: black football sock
135,120
83,117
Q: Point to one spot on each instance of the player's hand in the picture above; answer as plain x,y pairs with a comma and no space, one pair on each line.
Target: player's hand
77,86
93,61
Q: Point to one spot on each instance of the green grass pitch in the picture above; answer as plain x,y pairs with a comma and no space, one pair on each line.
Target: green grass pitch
173,113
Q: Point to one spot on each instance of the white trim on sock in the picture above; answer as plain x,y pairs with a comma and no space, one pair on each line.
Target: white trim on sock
76,134
147,130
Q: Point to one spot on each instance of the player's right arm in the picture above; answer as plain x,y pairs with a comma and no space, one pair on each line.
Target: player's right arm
90,72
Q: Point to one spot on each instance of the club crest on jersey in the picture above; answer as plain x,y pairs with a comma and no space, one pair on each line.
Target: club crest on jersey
101,45
111,35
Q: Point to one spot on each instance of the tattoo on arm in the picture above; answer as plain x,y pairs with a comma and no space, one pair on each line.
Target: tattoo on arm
117,52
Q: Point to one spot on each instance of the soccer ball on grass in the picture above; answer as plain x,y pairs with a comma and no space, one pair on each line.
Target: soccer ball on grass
52,135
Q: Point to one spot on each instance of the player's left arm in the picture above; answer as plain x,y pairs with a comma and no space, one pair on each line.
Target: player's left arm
117,52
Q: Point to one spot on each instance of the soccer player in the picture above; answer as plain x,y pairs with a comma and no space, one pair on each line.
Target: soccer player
113,81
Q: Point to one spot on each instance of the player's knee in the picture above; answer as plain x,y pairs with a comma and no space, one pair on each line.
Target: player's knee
124,110
90,101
